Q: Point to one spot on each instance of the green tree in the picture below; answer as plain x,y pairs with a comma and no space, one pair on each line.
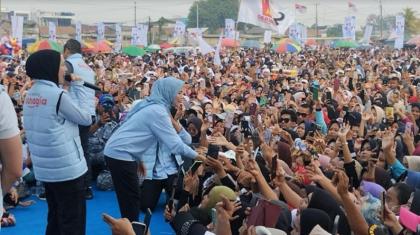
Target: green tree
212,13
412,23
335,31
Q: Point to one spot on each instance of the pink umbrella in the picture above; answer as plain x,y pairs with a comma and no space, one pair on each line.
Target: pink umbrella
227,42
414,41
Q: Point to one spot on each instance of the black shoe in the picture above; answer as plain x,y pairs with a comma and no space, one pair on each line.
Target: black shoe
42,196
88,194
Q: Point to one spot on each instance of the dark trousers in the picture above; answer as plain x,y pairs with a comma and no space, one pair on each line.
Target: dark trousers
151,189
66,207
126,184
84,139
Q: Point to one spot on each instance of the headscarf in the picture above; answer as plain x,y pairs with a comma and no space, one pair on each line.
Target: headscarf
163,92
415,203
374,189
380,114
370,209
322,200
413,162
382,178
413,179
284,153
44,65
197,124
311,217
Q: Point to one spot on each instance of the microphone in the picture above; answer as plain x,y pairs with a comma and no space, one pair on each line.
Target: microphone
67,77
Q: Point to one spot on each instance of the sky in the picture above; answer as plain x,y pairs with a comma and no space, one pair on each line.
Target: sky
93,11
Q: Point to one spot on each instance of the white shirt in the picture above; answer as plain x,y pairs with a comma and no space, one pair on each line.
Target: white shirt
8,126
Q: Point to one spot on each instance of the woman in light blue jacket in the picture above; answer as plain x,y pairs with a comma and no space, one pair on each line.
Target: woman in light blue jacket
147,124
52,116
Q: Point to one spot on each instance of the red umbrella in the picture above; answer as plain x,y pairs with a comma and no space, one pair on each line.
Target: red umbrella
165,45
228,42
102,47
310,42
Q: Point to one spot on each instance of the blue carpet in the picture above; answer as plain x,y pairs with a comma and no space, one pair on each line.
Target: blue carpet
33,220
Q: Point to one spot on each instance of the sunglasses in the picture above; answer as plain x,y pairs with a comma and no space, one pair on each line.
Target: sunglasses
302,114
285,120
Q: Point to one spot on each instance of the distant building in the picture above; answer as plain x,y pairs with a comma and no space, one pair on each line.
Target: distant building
61,19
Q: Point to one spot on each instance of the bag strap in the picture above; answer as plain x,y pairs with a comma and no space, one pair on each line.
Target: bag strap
57,107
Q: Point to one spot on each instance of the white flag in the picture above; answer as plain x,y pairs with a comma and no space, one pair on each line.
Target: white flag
267,36
134,36
304,34
118,38
205,48
368,33
179,29
195,33
399,31
217,59
349,27
101,31
229,28
79,31
266,14
52,31
237,36
142,30
17,29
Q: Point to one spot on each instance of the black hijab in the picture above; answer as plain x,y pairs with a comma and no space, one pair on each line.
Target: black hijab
311,217
44,65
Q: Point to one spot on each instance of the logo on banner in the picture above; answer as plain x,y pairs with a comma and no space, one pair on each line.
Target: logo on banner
266,15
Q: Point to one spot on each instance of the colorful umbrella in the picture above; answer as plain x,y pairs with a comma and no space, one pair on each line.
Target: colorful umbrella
101,47
414,41
345,44
45,44
228,42
133,51
153,47
251,44
166,45
288,45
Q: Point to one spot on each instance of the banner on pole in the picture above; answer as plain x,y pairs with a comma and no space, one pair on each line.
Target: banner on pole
349,27
179,29
134,36
17,29
118,38
266,14
142,31
101,31
52,33
267,36
368,33
399,31
229,28
79,31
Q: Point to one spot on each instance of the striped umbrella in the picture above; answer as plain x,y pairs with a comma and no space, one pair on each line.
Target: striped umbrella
288,45
45,44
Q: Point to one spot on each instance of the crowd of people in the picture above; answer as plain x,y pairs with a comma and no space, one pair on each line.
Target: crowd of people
325,141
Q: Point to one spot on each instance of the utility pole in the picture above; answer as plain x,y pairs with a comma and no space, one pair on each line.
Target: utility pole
197,13
316,19
382,19
135,14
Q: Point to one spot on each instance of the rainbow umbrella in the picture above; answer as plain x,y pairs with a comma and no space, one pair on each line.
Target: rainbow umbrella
102,47
288,45
45,44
